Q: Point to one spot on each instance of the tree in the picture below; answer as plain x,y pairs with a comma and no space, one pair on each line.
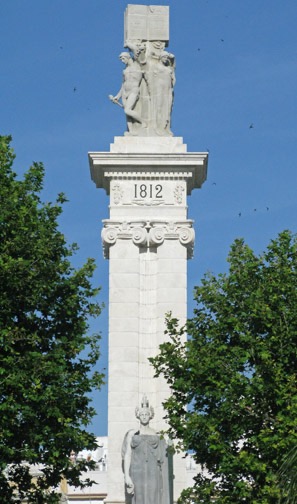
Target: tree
288,476
45,379
233,383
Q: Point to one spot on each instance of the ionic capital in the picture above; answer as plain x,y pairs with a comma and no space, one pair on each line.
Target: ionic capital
146,234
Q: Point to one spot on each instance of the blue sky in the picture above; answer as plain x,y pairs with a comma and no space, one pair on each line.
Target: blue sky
236,69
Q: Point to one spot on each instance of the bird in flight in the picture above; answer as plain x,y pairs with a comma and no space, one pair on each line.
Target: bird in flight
74,89
251,126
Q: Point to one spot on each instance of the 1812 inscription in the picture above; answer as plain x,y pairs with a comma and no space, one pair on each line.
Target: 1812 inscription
144,191
148,192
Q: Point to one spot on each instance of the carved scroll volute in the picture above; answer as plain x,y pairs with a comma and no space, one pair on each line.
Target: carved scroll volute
148,235
139,236
156,236
109,236
187,238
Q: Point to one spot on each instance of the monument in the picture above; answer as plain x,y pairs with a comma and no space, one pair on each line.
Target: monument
147,239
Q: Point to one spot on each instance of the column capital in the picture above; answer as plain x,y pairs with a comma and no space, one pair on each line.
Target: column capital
146,234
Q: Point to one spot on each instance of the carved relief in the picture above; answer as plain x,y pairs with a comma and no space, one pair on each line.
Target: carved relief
147,192
117,194
148,234
178,194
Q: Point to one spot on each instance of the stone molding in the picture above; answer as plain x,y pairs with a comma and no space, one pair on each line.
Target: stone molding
189,166
148,234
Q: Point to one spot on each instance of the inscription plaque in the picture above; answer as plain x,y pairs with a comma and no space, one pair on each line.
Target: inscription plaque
146,22
151,192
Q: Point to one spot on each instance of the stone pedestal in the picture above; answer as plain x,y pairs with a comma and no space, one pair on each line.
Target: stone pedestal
147,239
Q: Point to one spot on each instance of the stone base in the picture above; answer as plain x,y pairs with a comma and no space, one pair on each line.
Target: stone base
148,145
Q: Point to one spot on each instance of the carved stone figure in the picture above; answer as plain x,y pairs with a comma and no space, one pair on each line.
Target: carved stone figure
148,88
130,90
161,84
138,48
145,461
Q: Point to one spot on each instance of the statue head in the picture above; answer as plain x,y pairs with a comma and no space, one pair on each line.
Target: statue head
146,412
125,57
167,58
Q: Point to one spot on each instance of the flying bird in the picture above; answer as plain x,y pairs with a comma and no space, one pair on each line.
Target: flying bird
74,89
239,215
251,126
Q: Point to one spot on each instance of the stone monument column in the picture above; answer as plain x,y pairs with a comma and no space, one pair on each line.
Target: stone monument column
148,236
147,239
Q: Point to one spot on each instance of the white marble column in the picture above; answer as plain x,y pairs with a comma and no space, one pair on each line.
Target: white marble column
147,239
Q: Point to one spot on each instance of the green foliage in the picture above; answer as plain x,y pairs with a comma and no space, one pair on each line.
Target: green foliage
237,370
45,304
288,476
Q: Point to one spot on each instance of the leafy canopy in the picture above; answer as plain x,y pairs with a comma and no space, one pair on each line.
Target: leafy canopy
237,371
45,304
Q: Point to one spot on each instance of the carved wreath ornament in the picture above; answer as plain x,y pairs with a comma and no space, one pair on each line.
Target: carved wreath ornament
148,234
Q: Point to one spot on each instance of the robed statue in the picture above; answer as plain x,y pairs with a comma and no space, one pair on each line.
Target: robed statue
146,462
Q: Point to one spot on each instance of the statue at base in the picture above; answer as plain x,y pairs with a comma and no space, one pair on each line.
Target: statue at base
145,462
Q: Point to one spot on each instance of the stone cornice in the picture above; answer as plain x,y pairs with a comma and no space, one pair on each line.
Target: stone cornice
189,166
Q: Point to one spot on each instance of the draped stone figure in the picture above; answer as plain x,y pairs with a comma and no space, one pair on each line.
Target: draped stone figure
146,462
161,83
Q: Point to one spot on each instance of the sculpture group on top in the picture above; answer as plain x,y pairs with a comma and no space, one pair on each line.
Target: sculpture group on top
148,83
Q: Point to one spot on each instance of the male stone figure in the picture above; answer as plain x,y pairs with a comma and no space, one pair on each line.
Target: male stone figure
130,90
145,461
